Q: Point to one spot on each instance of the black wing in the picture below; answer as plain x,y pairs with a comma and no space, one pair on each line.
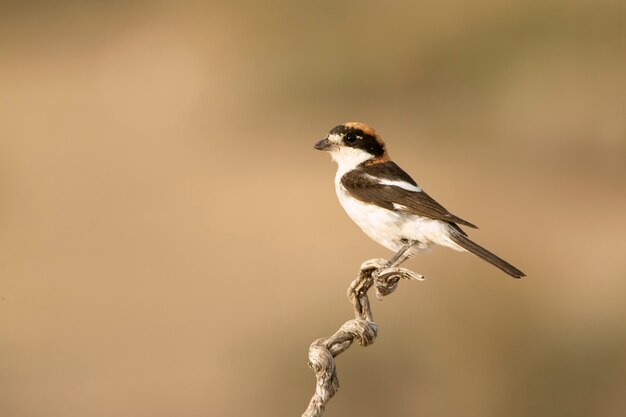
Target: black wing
363,184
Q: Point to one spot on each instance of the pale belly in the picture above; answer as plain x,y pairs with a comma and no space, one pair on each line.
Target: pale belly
391,228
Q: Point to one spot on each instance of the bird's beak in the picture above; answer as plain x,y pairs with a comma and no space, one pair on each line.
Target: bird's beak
324,145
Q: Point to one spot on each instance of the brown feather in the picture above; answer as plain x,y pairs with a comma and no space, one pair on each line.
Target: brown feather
484,254
362,185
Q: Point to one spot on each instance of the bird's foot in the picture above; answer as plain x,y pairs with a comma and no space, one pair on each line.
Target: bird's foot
386,278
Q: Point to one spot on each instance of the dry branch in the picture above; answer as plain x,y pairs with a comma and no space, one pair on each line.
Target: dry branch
362,328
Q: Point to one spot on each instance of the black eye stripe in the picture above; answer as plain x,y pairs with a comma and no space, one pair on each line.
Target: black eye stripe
361,140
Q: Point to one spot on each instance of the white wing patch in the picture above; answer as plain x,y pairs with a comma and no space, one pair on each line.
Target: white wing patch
388,227
400,184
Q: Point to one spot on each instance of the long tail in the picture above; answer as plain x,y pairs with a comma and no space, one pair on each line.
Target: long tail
483,253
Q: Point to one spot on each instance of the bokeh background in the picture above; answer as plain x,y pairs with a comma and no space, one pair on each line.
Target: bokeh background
170,243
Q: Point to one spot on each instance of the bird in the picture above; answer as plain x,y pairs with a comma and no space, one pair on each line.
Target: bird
388,205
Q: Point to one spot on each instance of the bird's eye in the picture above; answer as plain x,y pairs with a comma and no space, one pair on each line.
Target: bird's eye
350,139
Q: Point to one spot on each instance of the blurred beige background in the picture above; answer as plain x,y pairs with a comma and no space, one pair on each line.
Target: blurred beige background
170,243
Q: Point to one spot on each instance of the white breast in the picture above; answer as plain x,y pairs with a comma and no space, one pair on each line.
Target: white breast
389,227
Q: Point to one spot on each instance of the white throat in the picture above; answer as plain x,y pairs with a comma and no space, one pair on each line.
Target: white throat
348,158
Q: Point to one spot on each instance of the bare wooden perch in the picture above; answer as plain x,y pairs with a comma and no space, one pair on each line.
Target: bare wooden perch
362,328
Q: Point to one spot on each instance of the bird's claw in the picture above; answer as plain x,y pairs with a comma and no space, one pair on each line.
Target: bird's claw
386,278
401,273
372,264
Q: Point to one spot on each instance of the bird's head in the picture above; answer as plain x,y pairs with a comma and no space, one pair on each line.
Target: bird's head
351,144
